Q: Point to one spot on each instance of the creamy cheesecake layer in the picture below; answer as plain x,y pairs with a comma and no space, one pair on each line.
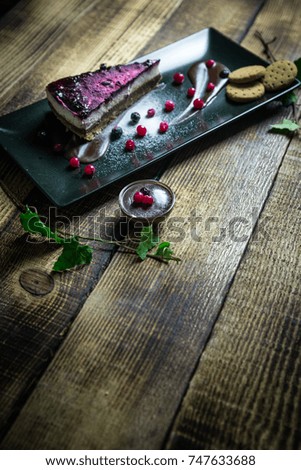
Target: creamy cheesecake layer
87,103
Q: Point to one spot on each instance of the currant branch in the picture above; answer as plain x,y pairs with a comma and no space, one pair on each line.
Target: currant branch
75,253
266,49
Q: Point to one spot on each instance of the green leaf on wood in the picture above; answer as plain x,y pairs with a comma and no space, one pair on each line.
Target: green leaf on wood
32,223
289,98
164,251
287,126
73,254
147,241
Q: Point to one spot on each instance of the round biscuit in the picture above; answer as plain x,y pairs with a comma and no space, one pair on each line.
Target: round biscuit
279,75
244,93
247,74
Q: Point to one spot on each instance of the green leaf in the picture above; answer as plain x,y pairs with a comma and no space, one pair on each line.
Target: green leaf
147,241
32,223
298,65
289,98
164,251
73,254
286,127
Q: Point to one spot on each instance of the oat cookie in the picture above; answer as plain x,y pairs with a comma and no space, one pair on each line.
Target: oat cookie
279,75
243,93
247,74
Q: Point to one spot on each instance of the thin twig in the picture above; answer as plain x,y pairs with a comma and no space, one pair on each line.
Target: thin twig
295,114
267,51
125,247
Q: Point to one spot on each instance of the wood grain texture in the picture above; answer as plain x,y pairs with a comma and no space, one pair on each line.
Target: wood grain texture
246,390
193,16
33,327
121,373
119,377
38,324
41,42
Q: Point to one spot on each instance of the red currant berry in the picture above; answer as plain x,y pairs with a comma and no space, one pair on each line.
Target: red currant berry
74,162
210,86
190,92
198,103
151,112
89,170
210,63
58,148
147,200
138,197
130,145
178,78
163,126
141,130
169,105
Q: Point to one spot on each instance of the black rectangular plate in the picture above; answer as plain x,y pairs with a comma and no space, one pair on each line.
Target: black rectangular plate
51,172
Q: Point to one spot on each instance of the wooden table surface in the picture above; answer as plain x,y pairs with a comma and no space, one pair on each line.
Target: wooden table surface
120,354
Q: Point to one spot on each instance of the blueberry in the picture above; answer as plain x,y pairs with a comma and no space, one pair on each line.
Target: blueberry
145,191
135,117
116,133
224,73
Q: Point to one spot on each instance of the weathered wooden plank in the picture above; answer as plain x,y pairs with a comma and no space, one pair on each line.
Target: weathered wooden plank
132,349
194,16
145,342
30,348
14,187
120,374
52,41
133,342
246,390
32,326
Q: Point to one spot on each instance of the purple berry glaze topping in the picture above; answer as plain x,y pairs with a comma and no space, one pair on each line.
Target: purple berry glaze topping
82,94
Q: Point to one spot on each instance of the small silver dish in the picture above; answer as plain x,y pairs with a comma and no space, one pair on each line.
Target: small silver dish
164,201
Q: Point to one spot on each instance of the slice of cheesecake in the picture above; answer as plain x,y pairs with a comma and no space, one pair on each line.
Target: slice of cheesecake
88,102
